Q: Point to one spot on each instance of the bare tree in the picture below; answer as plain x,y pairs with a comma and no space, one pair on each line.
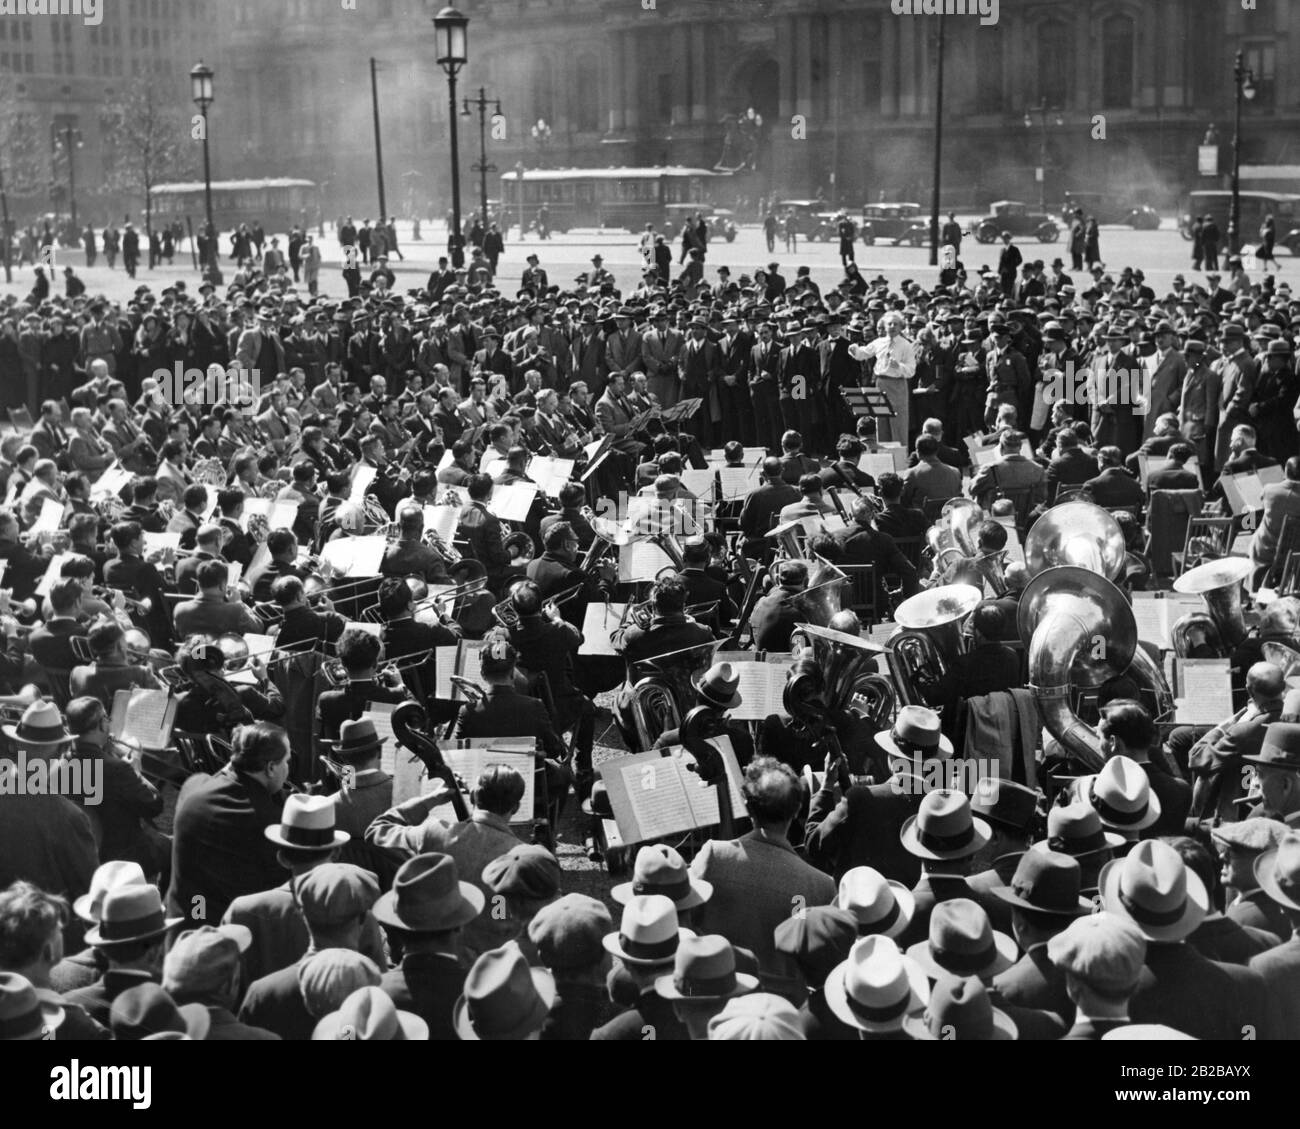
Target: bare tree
150,129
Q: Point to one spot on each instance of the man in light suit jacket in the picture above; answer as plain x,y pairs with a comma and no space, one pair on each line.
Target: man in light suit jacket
251,341
1280,500
1012,471
660,348
623,347
759,877
614,415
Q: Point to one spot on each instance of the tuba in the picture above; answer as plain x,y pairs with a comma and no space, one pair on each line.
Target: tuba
841,676
954,534
1077,534
929,638
1080,631
822,598
1218,583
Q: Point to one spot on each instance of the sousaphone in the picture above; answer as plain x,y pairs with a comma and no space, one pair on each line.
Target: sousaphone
1080,535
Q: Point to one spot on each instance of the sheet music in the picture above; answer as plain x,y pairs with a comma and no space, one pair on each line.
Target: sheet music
51,517
495,467
739,482
1251,490
210,506
362,477
145,716
464,660
444,665
446,460
1268,475
762,686
51,573
703,798
550,474
642,561
354,556
1149,613
1205,687
167,542
512,503
282,515
699,482
592,448
601,621
255,507
443,520
657,793
110,483
471,762
380,715
876,464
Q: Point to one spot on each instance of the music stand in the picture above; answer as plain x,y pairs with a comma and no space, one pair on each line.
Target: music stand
868,402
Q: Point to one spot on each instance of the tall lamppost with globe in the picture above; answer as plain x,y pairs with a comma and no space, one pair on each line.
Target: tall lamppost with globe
452,32
1244,79
201,92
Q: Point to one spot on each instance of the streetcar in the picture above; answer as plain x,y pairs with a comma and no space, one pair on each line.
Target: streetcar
277,204
627,198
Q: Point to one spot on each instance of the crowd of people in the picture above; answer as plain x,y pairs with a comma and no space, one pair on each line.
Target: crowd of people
257,877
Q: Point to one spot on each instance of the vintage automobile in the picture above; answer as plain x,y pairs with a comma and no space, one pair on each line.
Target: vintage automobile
898,223
807,215
1015,217
1254,206
721,221
1107,209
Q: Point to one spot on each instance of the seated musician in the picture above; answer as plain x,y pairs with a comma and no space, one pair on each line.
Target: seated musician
704,591
83,531
1176,476
661,448
1017,579
718,687
359,652
186,521
776,614
988,665
82,569
573,501
129,572
144,506
556,571
556,431
761,507
794,463
238,547
283,547
865,544
812,501
896,519
516,468
546,644
403,636
482,529
1113,486
208,543
844,473
409,555
111,669
505,712
212,612
500,439
210,704
301,622
734,454
302,493
51,642
461,466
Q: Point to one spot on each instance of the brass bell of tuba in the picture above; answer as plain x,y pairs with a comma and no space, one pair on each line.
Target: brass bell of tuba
1080,632
929,638
1077,534
954,536
1218,583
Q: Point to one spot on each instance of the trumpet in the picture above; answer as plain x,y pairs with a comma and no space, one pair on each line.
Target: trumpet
114,595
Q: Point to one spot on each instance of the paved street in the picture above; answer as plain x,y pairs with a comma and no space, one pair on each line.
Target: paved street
1161,254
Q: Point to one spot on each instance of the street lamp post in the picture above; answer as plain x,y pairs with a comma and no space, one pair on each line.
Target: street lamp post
201,92
451,29
1042,149
482,168
1244,80
70,140
938,145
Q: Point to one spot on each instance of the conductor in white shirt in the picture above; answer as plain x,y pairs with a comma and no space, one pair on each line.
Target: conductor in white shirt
894,369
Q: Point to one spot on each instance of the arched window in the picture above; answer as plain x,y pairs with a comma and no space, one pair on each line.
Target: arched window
586,111
1117,62
1053,63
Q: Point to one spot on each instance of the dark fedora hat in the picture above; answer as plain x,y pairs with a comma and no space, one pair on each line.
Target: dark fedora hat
429,897
1281,748
357,738
1046,882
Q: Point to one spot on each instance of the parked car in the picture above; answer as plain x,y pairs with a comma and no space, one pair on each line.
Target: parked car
1015,217
807,214
1107,209
1254,206
721,221
898,223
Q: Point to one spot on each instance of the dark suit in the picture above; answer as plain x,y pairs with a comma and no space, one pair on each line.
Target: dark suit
46,840
1222,939
427,984
1115,487
1200,997
762,370
757,513
1069,468
870,546
774,619
275,1003
349,702
986,669
862,830
507,713
1035,982
219,849
1280,970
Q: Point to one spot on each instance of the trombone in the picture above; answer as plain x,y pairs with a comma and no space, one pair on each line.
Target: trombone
507,615
389,672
